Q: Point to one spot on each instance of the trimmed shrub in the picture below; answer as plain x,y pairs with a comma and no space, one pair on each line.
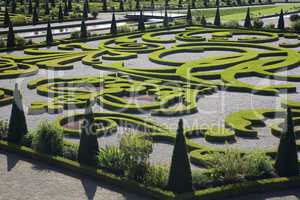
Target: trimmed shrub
258,23
88,146
83,30
49,36
287,158
70,151
180,177
6,20
17,128
156,176
281,21
3,129
247,23
189,18
48,139
217,21
10,37
113,26
141,23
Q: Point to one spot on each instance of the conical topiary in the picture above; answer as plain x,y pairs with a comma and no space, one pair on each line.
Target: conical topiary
17,127
247,23
203,21
70,7
49,37
141,23
6,21
60,14
217,21
287,158
66,10
189,19
180,177
104,5
10,36
281,21
121,7
113,26
30,7
88,145
35,15
166,19
47,10
85,10
83,30
137,5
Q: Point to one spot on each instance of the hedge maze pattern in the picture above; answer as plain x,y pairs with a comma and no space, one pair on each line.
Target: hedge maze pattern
172,89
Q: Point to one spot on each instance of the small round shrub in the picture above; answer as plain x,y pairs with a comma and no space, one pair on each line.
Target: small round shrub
258,23
48,139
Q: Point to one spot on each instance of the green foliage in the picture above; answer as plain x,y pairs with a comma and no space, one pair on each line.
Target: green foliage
70,151
83,30
296,25
35,15
156,176
136,152
113,26
258,23
49,36
3,129
287,157
17,128
180,177
6,20
48,139
10,37
232,166
232,24
141,23
112,159
189,18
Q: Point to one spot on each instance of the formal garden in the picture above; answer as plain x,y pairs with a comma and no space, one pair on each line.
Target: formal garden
185,109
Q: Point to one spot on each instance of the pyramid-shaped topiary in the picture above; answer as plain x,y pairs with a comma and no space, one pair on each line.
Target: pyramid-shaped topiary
247,23
10,36
113,26
281,21
141,23
83,30
17,127
287,158
6,21
217,21
189,19
49,37
180,177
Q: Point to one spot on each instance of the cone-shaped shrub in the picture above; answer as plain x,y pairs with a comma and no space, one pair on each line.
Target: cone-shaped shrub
152,5
193,4
60,14
180,177
47,10
121,6
281,21
287,159
10,36
13,6
49,37
70,7
6,18
85,10
35,15
17,127
217,21
247,23
113,26
83,30
141,24
30,7
217,3
88,146
189,19
104,5
179,3
203,21
137,5
66,10
166,19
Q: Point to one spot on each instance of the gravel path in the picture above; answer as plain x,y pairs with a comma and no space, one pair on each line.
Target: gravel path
24,179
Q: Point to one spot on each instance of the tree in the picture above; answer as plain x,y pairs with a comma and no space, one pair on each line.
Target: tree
13,6
141,23
287,158
6,21
206,3
152,5
47,10
104,5
281,21
180,177
83,30
203,21
193,4
166,19
88,145
217,3
10,36
137,5
189,18
247,23
66,10
121,7
35,15
17,127
49,37
113,26
217,21
166,3
179,3
60,14
70,7
85,10
30,7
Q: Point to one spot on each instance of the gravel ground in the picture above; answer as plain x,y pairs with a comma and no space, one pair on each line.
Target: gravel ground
27,179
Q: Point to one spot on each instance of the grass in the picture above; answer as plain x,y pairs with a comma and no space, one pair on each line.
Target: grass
228,14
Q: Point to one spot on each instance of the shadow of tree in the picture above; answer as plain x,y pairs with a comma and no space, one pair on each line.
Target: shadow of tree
90,187
11,160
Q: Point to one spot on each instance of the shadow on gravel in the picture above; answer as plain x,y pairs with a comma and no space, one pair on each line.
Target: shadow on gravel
11,160
90,187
